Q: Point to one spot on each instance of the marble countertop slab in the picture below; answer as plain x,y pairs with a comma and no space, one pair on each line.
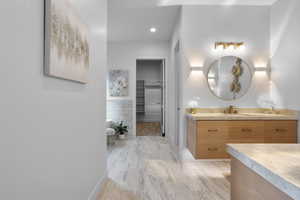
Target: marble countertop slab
279,164
240,116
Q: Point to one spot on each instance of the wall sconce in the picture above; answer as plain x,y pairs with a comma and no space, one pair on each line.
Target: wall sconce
197,68
265,70
261,69
229,45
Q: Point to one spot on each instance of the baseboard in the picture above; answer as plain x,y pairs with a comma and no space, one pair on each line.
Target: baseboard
98,187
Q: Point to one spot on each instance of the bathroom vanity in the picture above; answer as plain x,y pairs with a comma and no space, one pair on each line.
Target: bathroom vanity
209,132
265,171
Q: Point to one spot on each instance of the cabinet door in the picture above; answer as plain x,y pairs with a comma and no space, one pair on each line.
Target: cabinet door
243,130
211,131
211,139
281,131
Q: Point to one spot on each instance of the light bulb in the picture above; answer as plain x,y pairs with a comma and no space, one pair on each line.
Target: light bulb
153,30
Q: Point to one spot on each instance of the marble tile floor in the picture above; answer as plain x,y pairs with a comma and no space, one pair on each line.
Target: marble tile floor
144,168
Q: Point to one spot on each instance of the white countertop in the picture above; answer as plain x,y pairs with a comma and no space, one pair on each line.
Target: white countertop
241,116
279,164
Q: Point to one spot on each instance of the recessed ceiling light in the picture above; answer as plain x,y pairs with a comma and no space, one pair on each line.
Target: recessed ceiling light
153,30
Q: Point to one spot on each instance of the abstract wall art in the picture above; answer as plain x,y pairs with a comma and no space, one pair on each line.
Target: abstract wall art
66,42
118,83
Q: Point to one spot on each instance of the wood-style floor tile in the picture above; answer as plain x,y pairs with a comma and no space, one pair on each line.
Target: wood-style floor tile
144,168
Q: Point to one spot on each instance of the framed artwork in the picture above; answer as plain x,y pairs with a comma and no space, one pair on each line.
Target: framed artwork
118,83
66,42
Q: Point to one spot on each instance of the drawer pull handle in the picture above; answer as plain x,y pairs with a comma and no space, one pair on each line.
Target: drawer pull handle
246,130
212,130
212,149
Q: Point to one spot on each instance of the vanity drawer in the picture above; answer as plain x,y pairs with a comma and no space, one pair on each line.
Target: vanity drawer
281,129
281,140
211,131
212,151
245,130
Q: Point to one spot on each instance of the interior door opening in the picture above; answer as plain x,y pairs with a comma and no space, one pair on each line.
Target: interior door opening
150,97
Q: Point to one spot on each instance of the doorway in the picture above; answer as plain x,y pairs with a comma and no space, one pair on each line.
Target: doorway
150,97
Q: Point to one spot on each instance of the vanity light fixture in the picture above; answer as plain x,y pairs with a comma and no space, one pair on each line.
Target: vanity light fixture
264,70
229,45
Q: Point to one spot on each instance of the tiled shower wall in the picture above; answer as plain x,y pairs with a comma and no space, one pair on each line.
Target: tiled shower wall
120,110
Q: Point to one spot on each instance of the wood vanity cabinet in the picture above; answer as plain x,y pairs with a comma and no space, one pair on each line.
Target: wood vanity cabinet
208,139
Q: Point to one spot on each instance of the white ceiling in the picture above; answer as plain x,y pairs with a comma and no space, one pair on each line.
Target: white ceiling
130,20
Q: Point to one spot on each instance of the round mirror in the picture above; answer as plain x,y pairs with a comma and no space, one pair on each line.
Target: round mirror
229,78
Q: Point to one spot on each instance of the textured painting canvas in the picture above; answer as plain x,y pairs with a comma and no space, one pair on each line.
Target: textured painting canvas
118,83
66,42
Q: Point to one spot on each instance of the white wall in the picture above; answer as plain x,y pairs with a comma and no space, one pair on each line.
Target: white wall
285,51
123,55
202,26
53,130
7,138
174,80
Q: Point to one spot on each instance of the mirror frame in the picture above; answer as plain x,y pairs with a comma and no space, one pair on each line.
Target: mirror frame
247,89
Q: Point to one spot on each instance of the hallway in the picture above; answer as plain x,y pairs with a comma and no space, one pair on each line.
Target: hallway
145,169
